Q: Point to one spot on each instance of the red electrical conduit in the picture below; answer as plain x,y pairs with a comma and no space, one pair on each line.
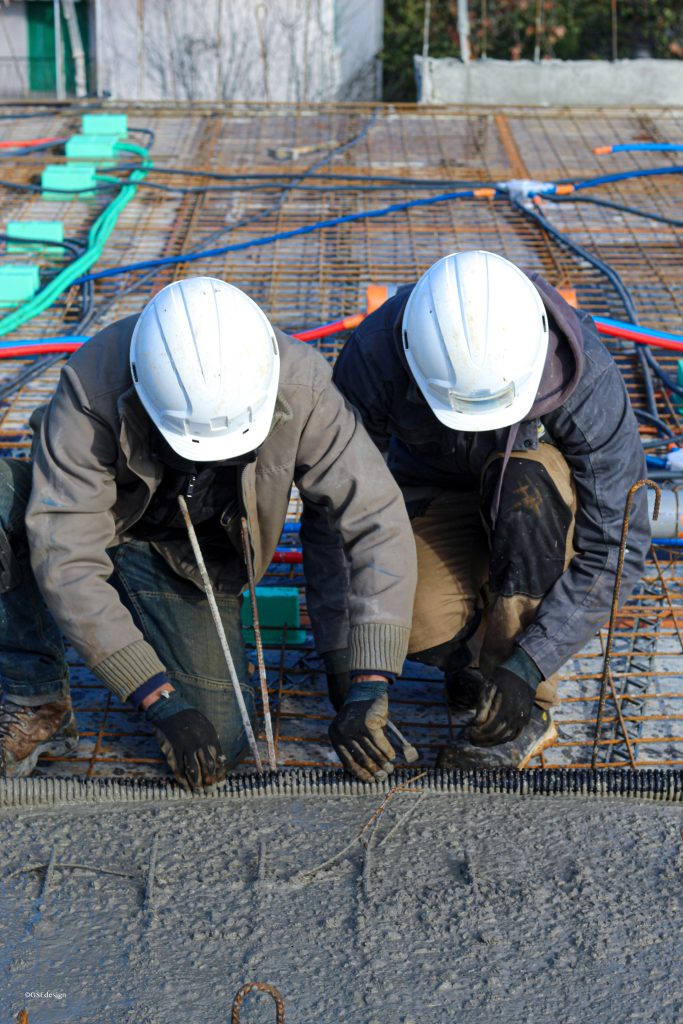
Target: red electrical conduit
21,143
609,328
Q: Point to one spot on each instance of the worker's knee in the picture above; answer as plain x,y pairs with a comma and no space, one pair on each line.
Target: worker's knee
532,532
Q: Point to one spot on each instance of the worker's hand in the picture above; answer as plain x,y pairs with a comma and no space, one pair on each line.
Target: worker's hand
358,733
188,741
504,709
338,686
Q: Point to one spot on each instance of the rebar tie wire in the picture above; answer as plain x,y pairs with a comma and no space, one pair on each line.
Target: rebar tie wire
607,671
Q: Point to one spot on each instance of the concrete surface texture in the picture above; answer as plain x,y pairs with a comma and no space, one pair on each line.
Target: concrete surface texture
473,908
550,83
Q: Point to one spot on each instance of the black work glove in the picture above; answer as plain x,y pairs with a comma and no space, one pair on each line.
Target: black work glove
188,741
358,733
504,709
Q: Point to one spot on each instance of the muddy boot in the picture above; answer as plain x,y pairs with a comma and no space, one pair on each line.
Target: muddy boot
27,732
539,733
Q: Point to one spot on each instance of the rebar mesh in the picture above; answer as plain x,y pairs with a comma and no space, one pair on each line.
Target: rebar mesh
316,278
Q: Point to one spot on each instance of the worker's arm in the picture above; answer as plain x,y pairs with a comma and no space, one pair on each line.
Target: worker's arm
357,374
597,433
70,524
342,473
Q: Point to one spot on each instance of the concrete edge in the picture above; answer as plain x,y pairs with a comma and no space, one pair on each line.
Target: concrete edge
648,783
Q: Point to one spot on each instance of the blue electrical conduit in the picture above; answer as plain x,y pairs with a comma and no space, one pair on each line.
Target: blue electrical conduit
281,235
349,218
646,147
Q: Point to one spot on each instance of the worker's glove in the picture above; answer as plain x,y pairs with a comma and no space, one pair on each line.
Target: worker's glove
188,741
504,709
358,733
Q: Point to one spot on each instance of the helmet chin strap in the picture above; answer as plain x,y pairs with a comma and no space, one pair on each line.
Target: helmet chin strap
512,434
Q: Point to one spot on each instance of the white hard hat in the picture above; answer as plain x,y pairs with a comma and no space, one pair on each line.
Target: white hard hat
475,334
205,365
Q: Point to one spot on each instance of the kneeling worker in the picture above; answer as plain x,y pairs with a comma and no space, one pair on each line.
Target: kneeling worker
197,396
508,427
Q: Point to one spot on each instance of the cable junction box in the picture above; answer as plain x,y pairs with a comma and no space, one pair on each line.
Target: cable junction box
68,181
18,282
44,231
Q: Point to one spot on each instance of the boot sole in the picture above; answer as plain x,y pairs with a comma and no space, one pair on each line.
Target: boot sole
63,742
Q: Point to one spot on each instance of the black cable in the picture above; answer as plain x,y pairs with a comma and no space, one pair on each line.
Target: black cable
621,207
426,182
619,286
46,111
272,187
139,282
145,131
647,417
20,187
645,356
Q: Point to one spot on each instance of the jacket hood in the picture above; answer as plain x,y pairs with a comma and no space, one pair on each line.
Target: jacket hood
565,358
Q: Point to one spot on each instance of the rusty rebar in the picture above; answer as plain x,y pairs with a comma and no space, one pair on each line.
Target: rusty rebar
249,562
258,986
22,1017
607,671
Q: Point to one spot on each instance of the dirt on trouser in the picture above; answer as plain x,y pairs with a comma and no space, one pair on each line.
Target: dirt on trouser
474,908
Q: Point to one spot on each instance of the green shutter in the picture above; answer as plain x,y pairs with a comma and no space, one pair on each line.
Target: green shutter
41,45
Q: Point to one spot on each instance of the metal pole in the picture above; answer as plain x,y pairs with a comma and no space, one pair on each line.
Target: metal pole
77,50
59,51
426,84
538,27
464,30
246,547
208,589
615,40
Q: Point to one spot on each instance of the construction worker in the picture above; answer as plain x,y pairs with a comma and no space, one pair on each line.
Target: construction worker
197,396
508,427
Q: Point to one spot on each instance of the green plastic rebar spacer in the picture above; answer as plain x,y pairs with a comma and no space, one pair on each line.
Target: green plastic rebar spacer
18,282
91,147
277,606
105,124
45,230
66,181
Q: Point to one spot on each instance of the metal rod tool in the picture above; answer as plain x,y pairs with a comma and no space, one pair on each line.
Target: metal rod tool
208,589
246,547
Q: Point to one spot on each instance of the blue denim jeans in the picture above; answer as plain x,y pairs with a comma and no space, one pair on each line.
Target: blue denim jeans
172,614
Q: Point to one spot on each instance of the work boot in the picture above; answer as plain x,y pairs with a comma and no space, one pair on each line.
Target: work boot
464,689
27,732
539,732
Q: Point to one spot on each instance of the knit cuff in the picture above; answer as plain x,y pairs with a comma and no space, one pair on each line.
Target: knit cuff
523,665
123,671
378,646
